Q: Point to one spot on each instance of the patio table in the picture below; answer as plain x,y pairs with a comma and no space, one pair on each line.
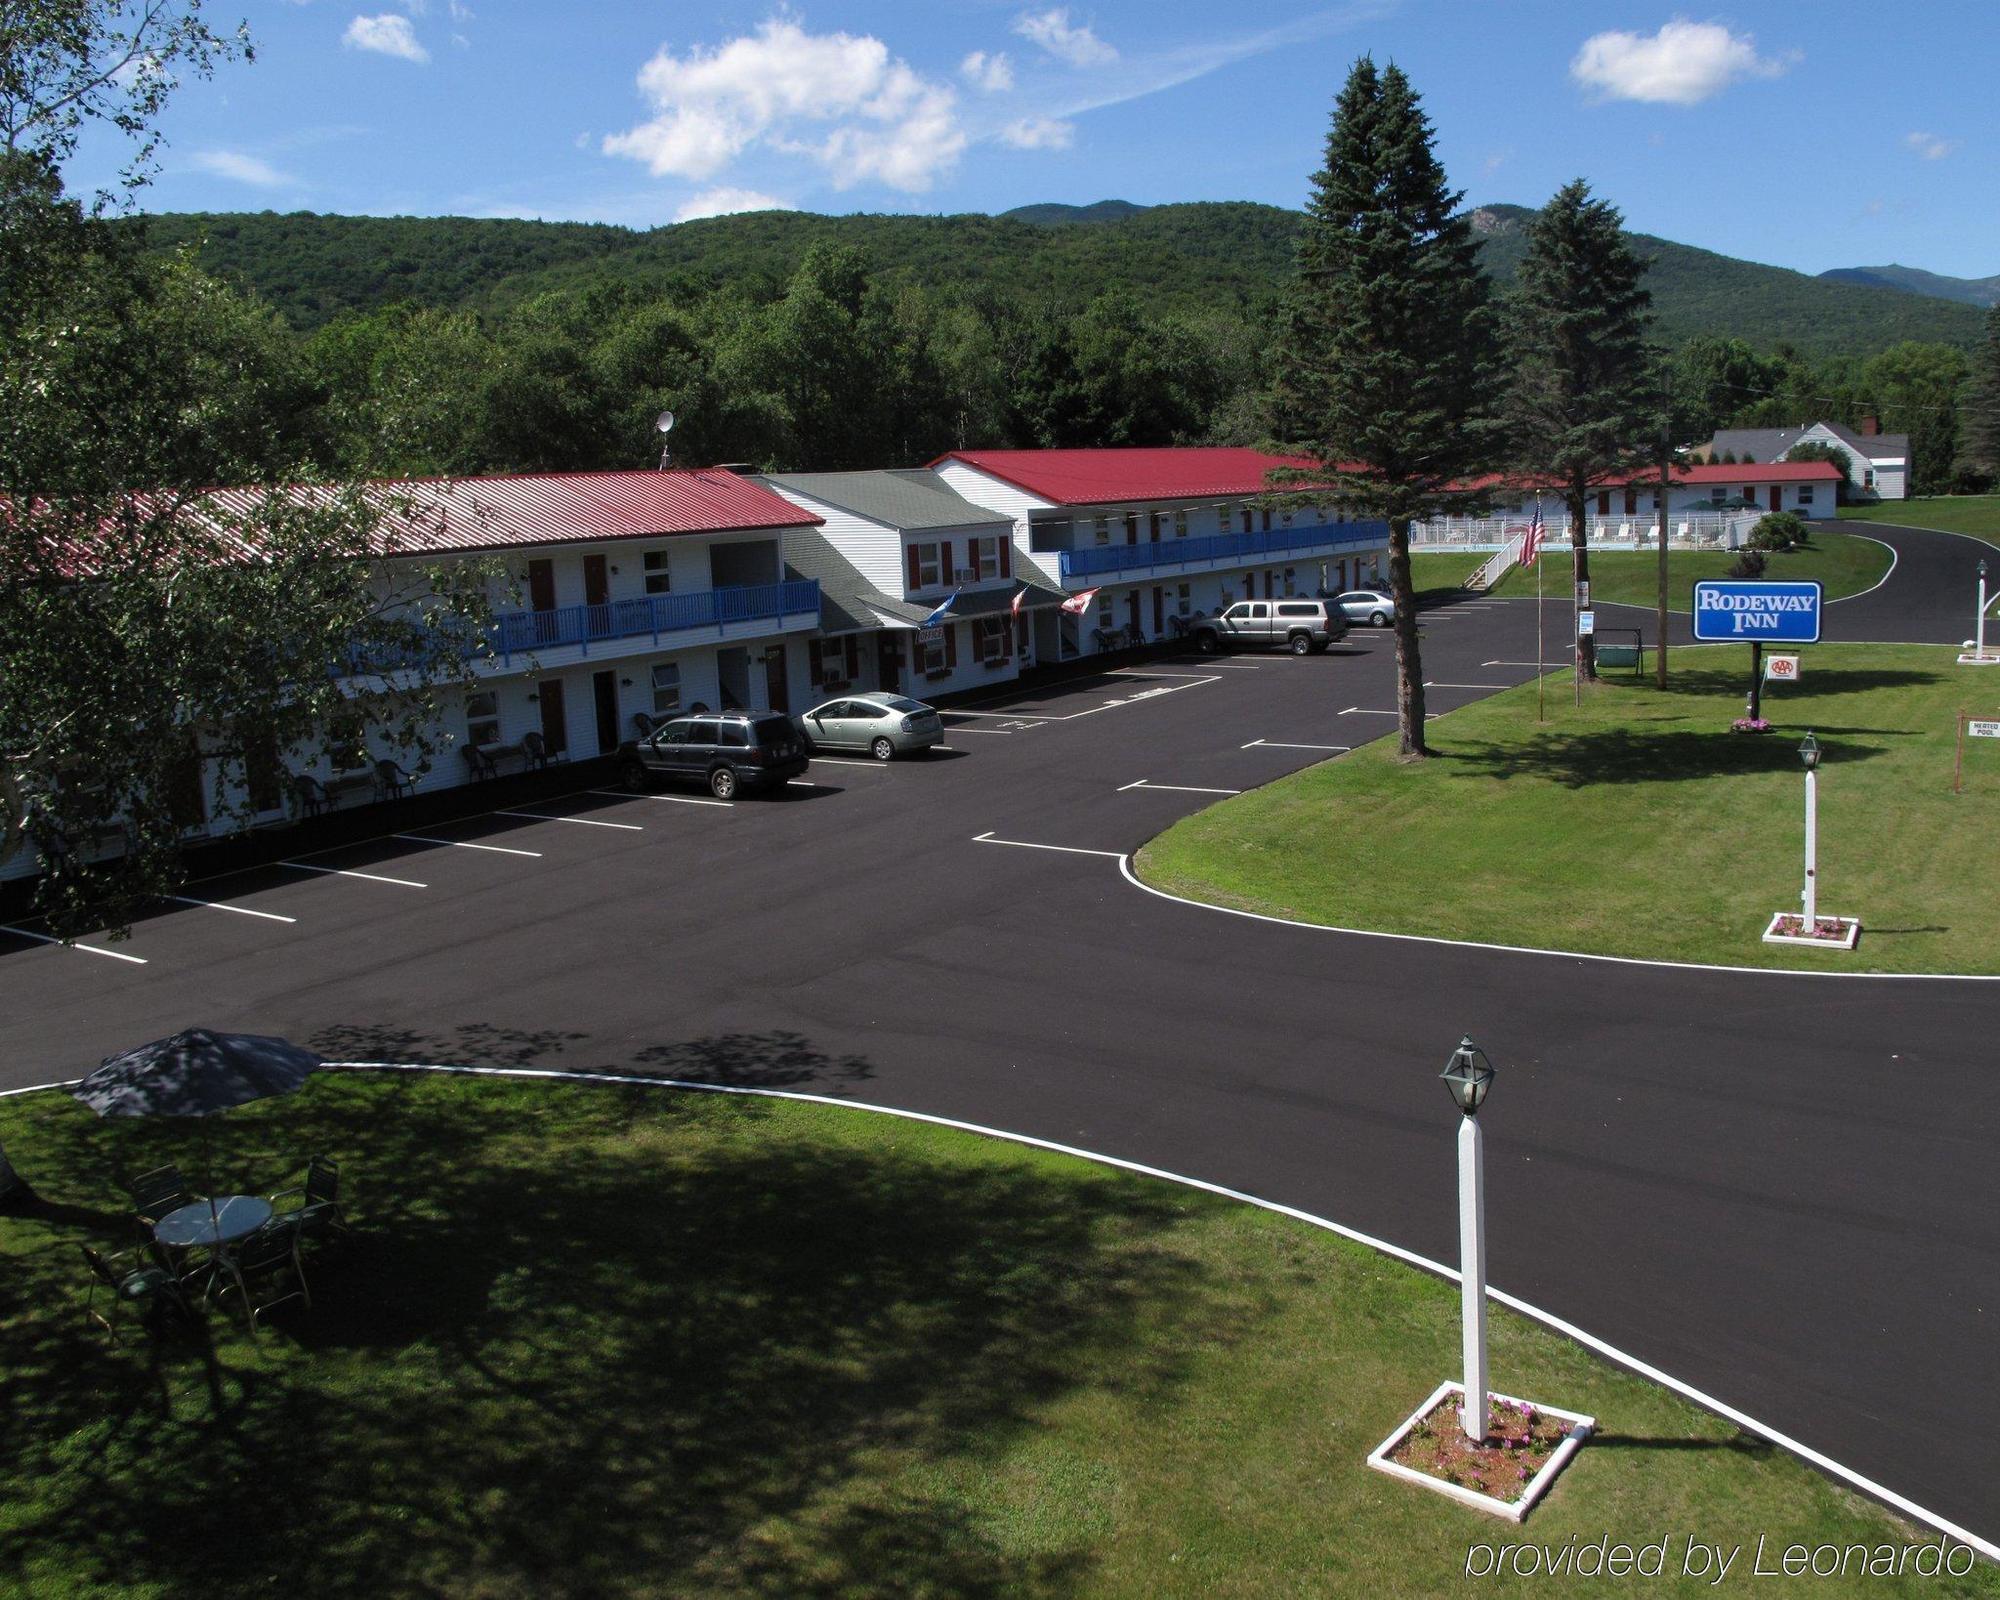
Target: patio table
221,1221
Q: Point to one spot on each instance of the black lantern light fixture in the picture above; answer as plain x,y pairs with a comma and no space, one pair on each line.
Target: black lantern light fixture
1809,753
1468,1075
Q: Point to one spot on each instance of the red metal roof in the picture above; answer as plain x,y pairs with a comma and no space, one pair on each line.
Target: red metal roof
1105,477
426,516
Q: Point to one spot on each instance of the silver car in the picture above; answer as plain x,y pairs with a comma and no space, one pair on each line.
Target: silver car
1369,606
884,725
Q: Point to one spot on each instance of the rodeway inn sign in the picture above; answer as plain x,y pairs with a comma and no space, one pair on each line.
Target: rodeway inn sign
1760,613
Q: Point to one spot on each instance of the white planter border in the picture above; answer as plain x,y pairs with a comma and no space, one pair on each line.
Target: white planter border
1973,659
1581,1428
1845,941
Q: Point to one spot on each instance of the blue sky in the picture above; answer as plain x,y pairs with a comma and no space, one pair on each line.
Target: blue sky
1812,137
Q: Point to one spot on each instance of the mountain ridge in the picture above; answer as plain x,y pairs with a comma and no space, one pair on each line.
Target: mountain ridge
1915,280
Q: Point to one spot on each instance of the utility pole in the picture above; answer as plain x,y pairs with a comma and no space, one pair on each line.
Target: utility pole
1666,488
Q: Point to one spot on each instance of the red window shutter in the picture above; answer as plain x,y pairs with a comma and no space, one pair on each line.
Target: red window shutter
1006,557
853,658
950,646
915,579
817,651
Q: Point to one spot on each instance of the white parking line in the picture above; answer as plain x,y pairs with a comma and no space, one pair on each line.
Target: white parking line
1280,744
1061,849
1001,732
1178,788
467,844
1370,711
1193,682
223,905
48,938
677,799
588,822
344,872
1151,672
843,761
1525,663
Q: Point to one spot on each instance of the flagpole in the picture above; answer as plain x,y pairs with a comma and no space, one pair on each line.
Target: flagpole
1541,675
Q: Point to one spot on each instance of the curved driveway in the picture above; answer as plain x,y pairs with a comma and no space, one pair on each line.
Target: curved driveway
1779,1188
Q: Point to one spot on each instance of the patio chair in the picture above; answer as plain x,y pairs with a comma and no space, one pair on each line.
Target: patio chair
643,723
267,1259
136,1280
479,761
156,1193
319,1210
308,794
392,782
535,748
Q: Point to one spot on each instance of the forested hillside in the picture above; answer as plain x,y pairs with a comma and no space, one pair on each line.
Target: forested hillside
1211,257
1914,280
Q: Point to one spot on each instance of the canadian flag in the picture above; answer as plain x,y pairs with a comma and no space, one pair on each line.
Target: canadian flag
1019,595
1077,604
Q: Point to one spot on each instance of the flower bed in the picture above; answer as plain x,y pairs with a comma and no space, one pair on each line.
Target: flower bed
1788,927
1525,1447
1750,725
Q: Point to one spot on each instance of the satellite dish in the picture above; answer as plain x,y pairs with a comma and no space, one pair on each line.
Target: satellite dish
665,422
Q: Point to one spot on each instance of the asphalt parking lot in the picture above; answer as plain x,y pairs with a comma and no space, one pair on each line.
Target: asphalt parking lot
1777,1188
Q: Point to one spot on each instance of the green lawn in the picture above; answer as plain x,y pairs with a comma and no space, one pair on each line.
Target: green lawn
600,1341
1959,513
1640,825
1843,564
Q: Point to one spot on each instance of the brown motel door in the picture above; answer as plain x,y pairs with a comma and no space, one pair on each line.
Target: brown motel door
596,586
1777,495
774,679
555,726
889,662
604,689
1132,612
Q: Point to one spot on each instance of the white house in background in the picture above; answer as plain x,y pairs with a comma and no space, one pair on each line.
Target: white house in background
1881,461
647,593
1162,534
890,549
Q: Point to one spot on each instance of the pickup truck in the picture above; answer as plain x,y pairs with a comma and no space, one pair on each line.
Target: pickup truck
1300,626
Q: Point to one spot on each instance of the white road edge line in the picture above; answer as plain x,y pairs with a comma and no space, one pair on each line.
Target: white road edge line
1433,684
1282,744
1060,849
467,844
1548,1319
348,872
223,905
587,822
677,799
1177,788
49,938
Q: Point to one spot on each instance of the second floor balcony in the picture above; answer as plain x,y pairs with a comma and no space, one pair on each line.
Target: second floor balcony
669,621
1110,562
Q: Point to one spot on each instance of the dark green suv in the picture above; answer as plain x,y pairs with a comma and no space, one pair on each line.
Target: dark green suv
726,751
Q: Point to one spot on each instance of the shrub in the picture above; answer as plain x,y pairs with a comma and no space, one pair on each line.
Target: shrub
1748,564
1778,530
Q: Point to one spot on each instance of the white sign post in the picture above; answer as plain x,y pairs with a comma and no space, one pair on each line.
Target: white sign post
1978,656
1807,928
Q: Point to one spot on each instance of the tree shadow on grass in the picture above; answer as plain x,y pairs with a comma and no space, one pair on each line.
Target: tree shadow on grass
1618,755
590,1340
1816,683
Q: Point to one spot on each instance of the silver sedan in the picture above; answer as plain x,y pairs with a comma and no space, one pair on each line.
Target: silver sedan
884,725
1370,607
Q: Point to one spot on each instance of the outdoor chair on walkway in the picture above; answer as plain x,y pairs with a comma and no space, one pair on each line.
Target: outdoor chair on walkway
308,794
156,1193
536,749
318,1212
479,761
135,1280
392,782
258,1270
643,723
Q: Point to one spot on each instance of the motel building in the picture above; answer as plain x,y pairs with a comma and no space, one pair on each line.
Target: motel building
1162,536
891,551
645,594
1627,507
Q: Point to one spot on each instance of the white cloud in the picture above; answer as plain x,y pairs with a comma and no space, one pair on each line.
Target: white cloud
769,88
1683,64
388,35
242,168
1496,159
1929,145
992,72
460,11
727,202
1039,133
1068,41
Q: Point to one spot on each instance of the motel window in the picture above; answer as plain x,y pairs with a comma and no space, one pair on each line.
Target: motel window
659,580
482,718
1131,527
1155,521
666,687
1717,495
1184,599
929,565
1868,478
1180,524
992,635
1805,494
1100,529
1249,520
988,550
930,649
1291,578
1267,519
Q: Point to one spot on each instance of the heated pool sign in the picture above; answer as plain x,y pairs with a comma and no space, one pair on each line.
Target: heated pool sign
1756,613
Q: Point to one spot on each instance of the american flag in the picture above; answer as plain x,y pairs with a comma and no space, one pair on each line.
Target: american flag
1531,546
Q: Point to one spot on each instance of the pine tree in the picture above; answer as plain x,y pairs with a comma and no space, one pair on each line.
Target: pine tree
1980,409
1581,408
1389,344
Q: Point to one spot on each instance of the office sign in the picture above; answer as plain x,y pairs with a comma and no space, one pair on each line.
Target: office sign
1756,613
1781,669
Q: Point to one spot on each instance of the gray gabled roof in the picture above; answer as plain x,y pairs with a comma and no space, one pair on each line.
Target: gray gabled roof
1872,446
1770,444
847,600
908,498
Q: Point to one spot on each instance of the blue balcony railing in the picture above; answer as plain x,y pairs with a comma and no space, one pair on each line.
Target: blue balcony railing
1104,560
654,615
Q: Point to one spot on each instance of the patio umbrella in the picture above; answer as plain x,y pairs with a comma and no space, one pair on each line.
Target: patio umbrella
196,1074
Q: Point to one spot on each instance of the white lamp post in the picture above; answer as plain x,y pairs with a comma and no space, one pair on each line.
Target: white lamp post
1809,754
1468,1075
1979,632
